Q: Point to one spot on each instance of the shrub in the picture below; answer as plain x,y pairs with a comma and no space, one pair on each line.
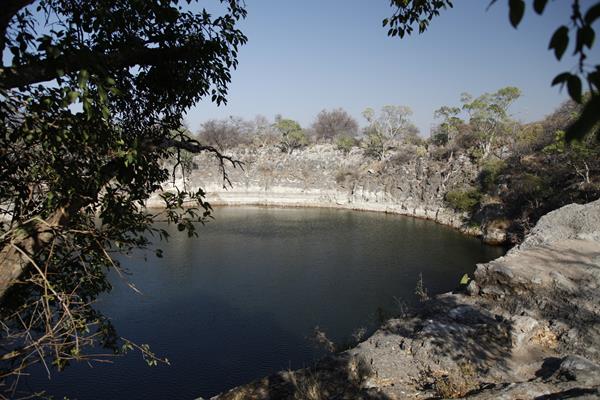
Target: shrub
421,151
463,200
439,138
490,171
374,146
529,185
345,143
466,140
293,139
528,137
557,146
292,136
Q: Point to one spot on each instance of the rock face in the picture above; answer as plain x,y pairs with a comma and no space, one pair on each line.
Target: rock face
575,221
322,176
528,327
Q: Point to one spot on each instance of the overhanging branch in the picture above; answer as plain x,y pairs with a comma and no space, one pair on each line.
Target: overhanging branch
49,69
9,9
193,146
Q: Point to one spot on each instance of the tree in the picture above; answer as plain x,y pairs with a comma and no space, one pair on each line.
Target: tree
224,134
488,124
93,93
447,130
410,14
488,116
345,143
329,125
388,128
265,133
292,135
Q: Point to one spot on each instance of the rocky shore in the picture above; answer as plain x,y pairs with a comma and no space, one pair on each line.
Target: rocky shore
527,326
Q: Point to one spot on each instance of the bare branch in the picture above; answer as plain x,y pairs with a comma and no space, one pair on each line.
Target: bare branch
193,146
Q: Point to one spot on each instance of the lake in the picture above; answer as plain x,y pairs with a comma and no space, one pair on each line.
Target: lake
241,300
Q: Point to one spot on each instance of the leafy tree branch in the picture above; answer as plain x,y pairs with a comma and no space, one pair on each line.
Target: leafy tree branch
579,32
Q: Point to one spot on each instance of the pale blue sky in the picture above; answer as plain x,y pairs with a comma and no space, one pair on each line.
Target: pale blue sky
303,56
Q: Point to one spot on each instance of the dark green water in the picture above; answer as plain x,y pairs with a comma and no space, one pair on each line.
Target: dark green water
241,301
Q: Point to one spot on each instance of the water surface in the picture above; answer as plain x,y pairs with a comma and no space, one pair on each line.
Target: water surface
241,300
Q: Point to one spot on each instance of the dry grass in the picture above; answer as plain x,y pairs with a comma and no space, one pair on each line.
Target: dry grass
546,338
358,370
455,383
306,386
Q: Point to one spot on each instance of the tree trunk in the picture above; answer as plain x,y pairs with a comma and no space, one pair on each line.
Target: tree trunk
26,242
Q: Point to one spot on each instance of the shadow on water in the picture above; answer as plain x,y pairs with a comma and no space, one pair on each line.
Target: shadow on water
448,329
228,346
241,301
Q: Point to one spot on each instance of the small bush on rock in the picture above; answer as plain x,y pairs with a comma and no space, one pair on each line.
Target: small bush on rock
345,143
463,200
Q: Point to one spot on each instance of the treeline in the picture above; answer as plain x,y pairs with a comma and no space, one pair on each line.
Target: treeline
523,170
386,130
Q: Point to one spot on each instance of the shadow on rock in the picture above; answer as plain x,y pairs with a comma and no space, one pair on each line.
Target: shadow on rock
450,332
337,377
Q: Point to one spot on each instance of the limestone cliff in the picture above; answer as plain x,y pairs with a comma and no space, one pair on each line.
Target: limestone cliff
412,182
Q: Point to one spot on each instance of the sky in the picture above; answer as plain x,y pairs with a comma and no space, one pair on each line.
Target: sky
305,56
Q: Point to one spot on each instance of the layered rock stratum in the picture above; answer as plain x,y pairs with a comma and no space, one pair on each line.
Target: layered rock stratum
409,183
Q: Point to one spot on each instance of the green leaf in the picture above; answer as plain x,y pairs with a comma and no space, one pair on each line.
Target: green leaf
574,88
559,41
83,78
72,96
105,112
87,107
539,5
594,78
465,279
585,37
516,11
561,78
592,14
588,119
170,14
130,158
102,94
